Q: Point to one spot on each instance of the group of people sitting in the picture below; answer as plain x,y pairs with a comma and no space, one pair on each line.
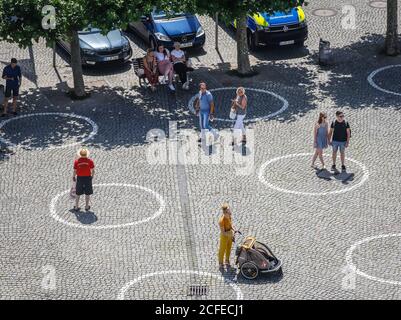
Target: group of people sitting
162,62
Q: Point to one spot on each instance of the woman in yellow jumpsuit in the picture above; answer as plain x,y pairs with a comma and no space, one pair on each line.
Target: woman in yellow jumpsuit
226,236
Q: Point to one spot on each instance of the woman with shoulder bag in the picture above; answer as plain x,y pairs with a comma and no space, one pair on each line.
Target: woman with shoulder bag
239,107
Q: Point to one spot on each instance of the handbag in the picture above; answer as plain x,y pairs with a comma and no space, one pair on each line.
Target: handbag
73,193
233,114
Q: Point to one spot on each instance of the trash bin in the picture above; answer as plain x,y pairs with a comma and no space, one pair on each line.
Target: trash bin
326,57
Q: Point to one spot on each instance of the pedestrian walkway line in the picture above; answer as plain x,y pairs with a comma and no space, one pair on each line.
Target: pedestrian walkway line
189,232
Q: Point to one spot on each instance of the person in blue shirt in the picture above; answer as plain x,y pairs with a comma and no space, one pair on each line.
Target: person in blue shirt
12,75
204,107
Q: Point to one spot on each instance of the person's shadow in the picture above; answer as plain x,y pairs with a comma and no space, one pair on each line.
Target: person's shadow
343,176
87,217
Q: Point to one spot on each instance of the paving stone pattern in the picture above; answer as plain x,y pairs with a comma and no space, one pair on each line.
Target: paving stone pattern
310,233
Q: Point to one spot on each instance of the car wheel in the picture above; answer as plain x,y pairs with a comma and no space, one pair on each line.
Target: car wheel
249,270
153,43
252,45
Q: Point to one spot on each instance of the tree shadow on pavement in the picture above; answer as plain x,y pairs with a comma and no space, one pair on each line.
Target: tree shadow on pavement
125,115
347,80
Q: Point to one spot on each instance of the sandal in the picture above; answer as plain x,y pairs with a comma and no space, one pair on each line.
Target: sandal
87,208
76,209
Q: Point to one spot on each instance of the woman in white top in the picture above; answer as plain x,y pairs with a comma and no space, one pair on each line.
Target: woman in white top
180,66
240,104
165,66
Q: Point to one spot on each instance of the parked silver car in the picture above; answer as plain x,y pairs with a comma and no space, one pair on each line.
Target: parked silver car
99,48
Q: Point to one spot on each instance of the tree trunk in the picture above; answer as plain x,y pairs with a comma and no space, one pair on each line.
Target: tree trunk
76,65
244,65
392,46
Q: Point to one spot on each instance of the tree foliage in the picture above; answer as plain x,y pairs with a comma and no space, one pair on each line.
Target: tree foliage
21,20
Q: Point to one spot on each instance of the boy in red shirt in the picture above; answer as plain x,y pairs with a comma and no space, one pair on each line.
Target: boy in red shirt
84,170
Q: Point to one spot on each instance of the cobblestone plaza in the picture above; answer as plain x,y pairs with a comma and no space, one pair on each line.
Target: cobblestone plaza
153,231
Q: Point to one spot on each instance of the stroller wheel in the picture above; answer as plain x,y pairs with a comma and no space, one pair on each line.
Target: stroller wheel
249,270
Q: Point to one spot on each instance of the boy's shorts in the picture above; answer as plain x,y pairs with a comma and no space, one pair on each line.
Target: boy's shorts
11,90
84,186
339,145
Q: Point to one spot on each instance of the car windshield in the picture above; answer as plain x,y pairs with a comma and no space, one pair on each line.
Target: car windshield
89,30
160,14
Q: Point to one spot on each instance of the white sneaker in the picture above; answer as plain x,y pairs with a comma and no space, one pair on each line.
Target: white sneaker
171,87
163,81
185,86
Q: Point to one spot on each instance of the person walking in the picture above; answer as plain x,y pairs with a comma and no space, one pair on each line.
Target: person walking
12,75
320,138
226,236
340,134
150,68
204,107
240,104
165,66
84,171
180,65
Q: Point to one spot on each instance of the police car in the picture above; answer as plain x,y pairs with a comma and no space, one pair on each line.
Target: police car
279,28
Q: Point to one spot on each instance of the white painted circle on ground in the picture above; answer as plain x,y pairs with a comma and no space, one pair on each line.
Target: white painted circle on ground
94,131
235,287
376,86
247,120
158,197
354,269
262,179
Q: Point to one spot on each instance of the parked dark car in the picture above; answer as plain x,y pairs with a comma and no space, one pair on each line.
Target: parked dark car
159,27
99,48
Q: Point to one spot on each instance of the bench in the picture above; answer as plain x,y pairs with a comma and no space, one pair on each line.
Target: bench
143,81
138,65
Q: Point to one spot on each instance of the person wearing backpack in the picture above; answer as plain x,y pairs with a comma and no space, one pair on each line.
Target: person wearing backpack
340,134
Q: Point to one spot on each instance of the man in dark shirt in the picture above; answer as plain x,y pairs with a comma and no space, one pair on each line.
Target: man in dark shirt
340,134
13,77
